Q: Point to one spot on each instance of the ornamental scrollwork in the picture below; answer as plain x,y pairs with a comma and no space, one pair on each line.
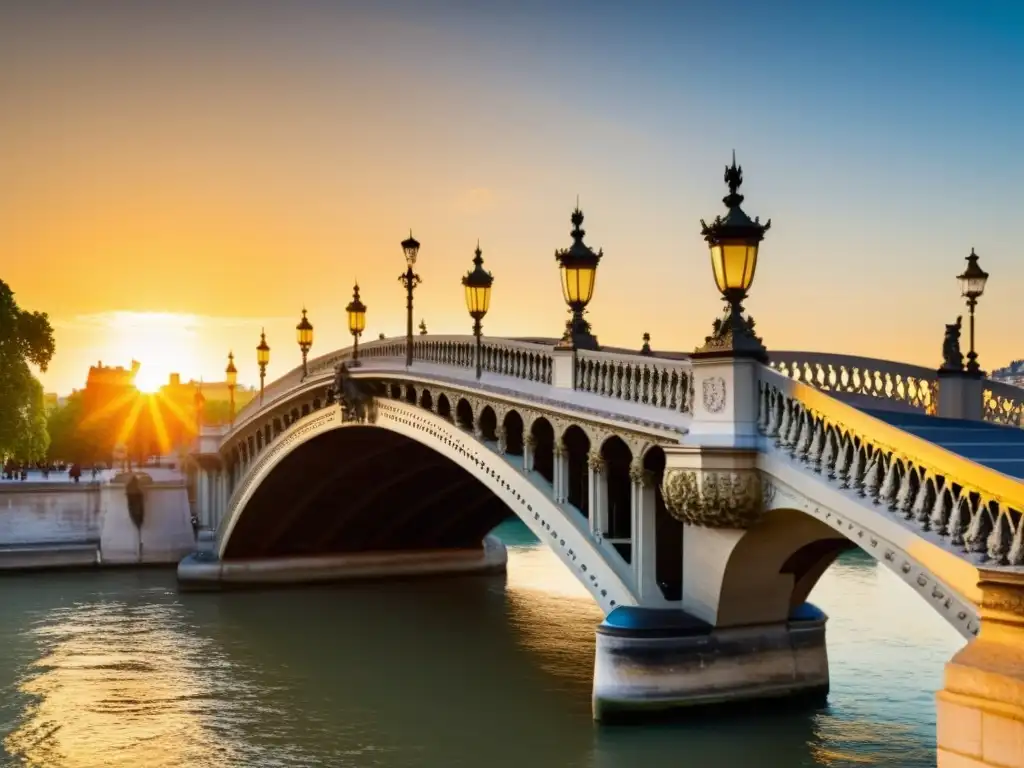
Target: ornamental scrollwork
716,498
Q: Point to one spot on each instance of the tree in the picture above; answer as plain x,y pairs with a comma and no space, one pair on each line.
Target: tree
33,437
25,337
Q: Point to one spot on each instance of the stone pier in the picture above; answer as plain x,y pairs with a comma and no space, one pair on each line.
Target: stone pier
980,708
650,662
204,571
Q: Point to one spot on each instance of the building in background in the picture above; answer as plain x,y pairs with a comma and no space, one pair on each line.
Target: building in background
1011,374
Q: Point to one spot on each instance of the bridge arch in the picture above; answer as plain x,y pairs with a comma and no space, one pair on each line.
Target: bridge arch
428,454
773,565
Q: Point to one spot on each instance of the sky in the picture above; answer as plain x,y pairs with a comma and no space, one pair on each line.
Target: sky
176,176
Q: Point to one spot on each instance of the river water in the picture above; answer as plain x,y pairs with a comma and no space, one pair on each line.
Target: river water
115,669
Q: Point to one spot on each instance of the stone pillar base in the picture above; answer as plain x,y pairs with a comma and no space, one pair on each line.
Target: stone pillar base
203,571
651,663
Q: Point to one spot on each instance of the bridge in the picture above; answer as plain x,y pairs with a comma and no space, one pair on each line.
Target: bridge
698,498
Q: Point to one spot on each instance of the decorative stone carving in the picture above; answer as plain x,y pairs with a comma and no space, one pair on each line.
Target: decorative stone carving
595,461
716,498
559,448
952,358
642,477
714,394
355,397
529,441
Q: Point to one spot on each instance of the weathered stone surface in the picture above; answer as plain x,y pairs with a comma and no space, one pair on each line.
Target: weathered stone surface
651,668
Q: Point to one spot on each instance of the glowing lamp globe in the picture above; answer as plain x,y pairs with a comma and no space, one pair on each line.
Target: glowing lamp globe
477,285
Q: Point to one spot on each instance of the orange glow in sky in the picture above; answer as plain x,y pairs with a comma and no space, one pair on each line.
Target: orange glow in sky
177,178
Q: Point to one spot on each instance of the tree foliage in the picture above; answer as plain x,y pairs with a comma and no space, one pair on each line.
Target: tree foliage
25,338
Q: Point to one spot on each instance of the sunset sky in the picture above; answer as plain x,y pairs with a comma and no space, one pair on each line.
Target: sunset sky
215,166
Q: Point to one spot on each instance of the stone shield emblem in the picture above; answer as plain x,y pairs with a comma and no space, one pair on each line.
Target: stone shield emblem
714,394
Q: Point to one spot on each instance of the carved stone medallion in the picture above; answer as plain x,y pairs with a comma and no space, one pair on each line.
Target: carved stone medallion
715,498
714,394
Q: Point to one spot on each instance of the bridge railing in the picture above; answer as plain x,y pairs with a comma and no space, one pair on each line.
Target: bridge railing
967,507
509,357
1003,403
660,382
912,386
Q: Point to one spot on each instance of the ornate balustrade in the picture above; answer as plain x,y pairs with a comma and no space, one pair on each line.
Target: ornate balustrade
911,385
518,359
636,378
1003,403
968,507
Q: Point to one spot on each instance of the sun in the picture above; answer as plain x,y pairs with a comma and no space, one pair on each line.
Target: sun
161,342
148,380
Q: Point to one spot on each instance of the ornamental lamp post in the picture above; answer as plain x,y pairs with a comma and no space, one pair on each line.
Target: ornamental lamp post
423,327
411,249
972,286
477,283
304,335
578,265
262,359
734,241
356,323
231,375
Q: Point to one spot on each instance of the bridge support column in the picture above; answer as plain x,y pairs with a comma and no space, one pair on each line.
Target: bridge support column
597,488
643,528
981,706
560,485
529,443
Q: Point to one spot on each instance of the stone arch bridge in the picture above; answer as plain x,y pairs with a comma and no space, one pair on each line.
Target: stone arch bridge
698,500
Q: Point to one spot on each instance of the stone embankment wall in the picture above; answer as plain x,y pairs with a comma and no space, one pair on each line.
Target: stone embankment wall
46,525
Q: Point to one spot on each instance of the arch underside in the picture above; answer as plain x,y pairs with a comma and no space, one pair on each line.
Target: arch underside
362,489
777,562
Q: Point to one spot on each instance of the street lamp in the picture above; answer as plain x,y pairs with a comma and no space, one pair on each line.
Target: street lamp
356,323
231,374
262,358
972,285
411,249
423,327
734,242
578,265
477,283
304,335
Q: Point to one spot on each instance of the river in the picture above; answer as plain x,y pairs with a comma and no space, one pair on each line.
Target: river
116,668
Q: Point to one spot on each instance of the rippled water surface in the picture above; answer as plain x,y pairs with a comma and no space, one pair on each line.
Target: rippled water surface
118,669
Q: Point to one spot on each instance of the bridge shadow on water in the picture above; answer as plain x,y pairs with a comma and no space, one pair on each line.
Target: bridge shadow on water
496,671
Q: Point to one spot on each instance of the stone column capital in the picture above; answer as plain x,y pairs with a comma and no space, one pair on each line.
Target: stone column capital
596,461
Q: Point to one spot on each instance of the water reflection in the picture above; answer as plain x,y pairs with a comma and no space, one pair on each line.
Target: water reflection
118,669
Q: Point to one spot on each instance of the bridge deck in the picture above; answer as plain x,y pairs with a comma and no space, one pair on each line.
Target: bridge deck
991,445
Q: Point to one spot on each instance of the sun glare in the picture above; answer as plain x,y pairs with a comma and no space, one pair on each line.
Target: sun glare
162,343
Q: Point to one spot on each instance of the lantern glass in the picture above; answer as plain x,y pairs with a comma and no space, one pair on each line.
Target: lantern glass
972,286
263,353
478,299
578,283
356,321
411,249
734,262
304,335
232,377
